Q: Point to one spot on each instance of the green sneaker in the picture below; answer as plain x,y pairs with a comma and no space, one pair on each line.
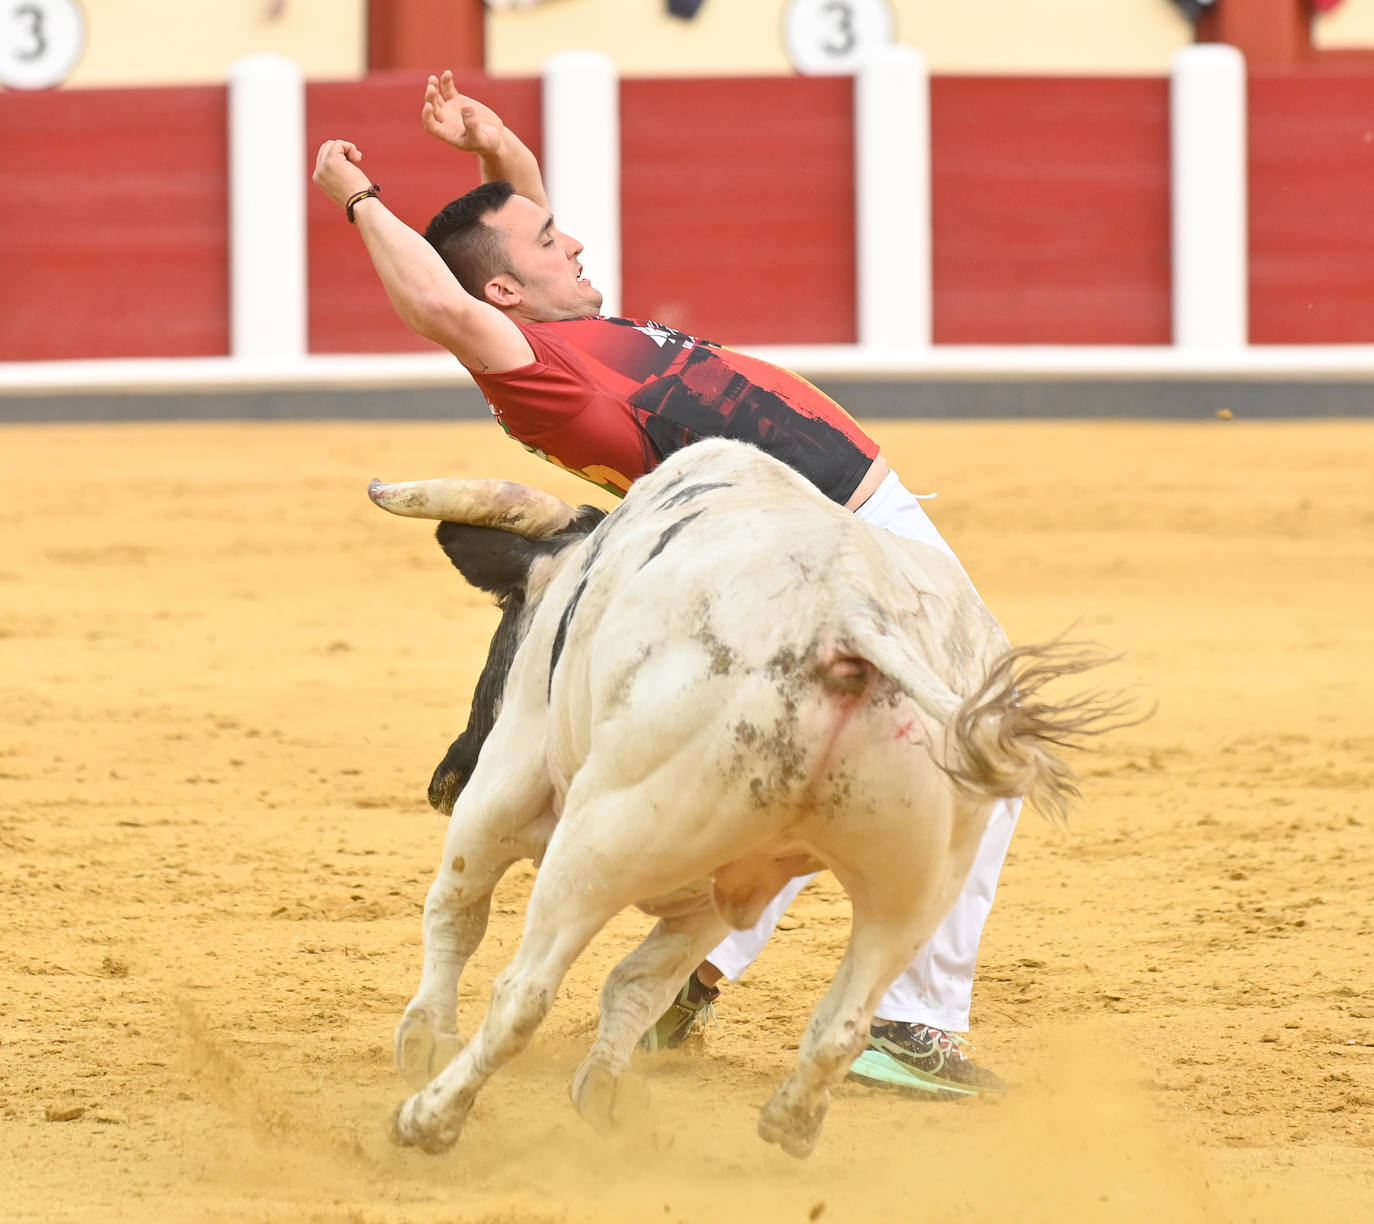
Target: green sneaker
918,1058
694,1003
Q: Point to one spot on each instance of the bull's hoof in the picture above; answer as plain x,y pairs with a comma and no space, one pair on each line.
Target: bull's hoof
422,1051
609,1102
791,1128
407,1132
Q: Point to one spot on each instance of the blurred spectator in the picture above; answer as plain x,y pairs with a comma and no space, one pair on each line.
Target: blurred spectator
1193,9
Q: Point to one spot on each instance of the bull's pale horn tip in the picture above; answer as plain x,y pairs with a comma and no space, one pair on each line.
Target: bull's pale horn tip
388,497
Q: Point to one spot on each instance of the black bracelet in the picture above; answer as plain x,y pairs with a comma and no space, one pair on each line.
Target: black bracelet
357,198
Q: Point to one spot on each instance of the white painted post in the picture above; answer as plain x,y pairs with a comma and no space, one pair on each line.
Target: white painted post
581,161
892,198
1210,224
267,173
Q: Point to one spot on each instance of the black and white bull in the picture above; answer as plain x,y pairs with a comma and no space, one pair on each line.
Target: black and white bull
727,681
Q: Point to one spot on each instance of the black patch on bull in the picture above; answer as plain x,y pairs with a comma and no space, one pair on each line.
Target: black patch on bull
721,655
560,636
664,539
691,491
497,562
561,633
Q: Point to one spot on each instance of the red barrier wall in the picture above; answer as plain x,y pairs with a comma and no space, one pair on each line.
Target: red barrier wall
349,311
114,224
1050,210
737,207
1312,207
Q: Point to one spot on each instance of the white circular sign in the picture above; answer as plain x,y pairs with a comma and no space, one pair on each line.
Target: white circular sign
40,42
835,36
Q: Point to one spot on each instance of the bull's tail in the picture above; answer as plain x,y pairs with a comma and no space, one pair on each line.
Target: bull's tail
1000,741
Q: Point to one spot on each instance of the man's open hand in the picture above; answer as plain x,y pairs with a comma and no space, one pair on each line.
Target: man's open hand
459,120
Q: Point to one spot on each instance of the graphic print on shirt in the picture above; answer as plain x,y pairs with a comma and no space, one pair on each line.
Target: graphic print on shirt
707,399
705,391
660,333
614,397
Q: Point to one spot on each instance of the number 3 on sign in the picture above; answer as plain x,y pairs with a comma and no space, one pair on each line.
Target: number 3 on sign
40,42
834,36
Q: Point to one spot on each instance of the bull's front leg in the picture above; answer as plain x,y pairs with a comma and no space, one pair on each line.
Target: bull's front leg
566,909
456,912
485,836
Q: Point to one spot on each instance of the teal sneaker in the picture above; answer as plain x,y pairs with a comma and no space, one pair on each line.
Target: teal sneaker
921,1059
695,1004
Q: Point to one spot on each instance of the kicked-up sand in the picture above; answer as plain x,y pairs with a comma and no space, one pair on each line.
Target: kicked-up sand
225,678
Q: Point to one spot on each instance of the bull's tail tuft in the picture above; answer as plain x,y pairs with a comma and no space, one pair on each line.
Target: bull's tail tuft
1001,739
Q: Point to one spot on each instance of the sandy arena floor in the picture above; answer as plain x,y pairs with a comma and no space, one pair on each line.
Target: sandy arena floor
225,678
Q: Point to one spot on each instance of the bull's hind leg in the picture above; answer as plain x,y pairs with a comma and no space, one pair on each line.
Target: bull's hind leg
637,991
503,814
881,943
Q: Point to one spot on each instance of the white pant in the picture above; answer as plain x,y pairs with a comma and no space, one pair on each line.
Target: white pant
937,987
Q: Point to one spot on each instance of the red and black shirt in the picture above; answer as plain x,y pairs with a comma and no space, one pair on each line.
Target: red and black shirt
610,399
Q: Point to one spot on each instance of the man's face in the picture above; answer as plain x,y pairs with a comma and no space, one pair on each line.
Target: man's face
548,281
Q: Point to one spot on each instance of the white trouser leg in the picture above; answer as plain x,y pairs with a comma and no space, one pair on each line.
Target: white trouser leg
738,950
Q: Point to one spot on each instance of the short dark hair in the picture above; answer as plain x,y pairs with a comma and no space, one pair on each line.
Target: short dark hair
473,250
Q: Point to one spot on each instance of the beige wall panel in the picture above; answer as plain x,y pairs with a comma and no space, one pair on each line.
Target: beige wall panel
178,42
745,36
1046,36
727,36
1351,25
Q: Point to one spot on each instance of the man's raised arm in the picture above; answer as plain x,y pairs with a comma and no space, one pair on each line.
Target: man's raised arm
468,125
423,292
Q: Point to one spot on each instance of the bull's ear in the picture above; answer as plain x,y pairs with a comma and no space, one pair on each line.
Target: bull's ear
494,561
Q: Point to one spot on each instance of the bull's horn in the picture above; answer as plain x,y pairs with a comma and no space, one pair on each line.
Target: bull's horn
480,503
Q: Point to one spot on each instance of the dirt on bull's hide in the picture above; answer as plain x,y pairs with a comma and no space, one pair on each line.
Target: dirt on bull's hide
225,680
